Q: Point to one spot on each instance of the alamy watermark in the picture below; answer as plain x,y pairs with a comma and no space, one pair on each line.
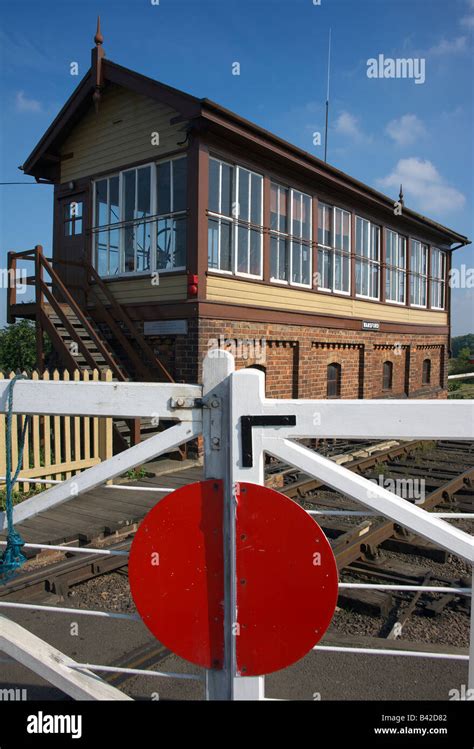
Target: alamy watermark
406,488
253,349
399,67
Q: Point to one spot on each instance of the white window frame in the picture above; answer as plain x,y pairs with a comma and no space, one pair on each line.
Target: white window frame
336,250
302,240
417,273
278,234
368,260
171,215
121,224
397,269
441,280
235,222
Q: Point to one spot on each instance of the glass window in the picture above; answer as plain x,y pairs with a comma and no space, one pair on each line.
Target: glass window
395,271
73,218
334,381
334,240
290,236
235,238
140,219
418,273
438,278
367,259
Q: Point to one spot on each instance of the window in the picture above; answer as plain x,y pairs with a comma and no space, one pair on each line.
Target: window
334,381
290,236
334,249
387,375
418,273
438,278
235,238
426,373
136,212
171,209
73,218
396,266
300,244
140,219
367,259
279,227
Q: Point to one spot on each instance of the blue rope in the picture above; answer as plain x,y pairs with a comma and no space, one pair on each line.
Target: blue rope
12,557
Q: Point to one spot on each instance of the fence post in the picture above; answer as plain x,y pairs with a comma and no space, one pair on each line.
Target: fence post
105,428
246,393
216,387
3,444
227,395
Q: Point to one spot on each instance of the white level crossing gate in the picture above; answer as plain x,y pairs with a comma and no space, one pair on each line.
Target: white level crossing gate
239,426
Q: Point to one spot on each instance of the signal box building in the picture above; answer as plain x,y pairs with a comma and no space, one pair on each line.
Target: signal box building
180,226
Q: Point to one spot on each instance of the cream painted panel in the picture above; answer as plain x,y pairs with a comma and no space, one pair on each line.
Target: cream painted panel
119,135
140,290
224,289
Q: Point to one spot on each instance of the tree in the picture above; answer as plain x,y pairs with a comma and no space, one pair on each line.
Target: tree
18,346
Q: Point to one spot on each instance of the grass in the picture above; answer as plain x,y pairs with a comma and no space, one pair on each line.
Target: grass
464,391
17,496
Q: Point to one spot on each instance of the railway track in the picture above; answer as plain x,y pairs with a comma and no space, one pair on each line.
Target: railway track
447,469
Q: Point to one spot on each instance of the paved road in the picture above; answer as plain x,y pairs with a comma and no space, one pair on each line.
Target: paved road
334,676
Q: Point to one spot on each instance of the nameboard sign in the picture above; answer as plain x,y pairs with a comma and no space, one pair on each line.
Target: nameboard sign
369,325
165,327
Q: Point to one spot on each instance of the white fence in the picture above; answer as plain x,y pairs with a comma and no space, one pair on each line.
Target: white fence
239,426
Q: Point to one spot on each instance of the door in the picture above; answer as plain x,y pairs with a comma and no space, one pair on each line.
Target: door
72,237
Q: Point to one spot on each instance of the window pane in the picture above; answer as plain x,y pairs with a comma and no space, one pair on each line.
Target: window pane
273,206
101,203
255,253
143,193
129,195
214,185
306,217
374,242
324,225
296,229
163,172
283,206
227,196
114,206
101,253
180,243
338,228
243,208
114,264
179,184
226,246
242,249
213,243
77,226
256,206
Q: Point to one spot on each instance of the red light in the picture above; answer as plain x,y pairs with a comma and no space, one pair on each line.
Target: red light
192,285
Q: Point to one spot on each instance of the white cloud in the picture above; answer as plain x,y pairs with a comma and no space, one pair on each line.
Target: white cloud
449,47
406,130
347,124
468,21
425,186
24,104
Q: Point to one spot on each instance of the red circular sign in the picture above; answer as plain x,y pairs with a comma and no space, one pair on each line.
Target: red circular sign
286,577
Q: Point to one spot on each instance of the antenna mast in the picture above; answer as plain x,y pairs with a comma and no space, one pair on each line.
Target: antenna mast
327,101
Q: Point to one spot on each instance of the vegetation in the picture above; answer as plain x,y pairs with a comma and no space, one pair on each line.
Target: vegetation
18,347
462,341
17,496
136,473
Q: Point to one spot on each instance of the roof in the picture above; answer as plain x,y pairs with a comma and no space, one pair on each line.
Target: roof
44,158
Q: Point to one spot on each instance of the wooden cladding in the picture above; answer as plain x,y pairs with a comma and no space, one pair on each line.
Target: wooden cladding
236,291
128,129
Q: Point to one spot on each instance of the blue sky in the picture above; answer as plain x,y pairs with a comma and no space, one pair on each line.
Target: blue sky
381,131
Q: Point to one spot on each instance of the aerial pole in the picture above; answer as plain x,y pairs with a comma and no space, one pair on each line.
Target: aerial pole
327,101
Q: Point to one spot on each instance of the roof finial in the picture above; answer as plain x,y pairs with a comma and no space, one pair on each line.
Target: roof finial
401,198
98,39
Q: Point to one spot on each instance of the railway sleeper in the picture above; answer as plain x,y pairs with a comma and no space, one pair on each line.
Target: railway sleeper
372,602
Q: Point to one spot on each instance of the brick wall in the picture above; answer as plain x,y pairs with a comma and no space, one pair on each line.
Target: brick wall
296,358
